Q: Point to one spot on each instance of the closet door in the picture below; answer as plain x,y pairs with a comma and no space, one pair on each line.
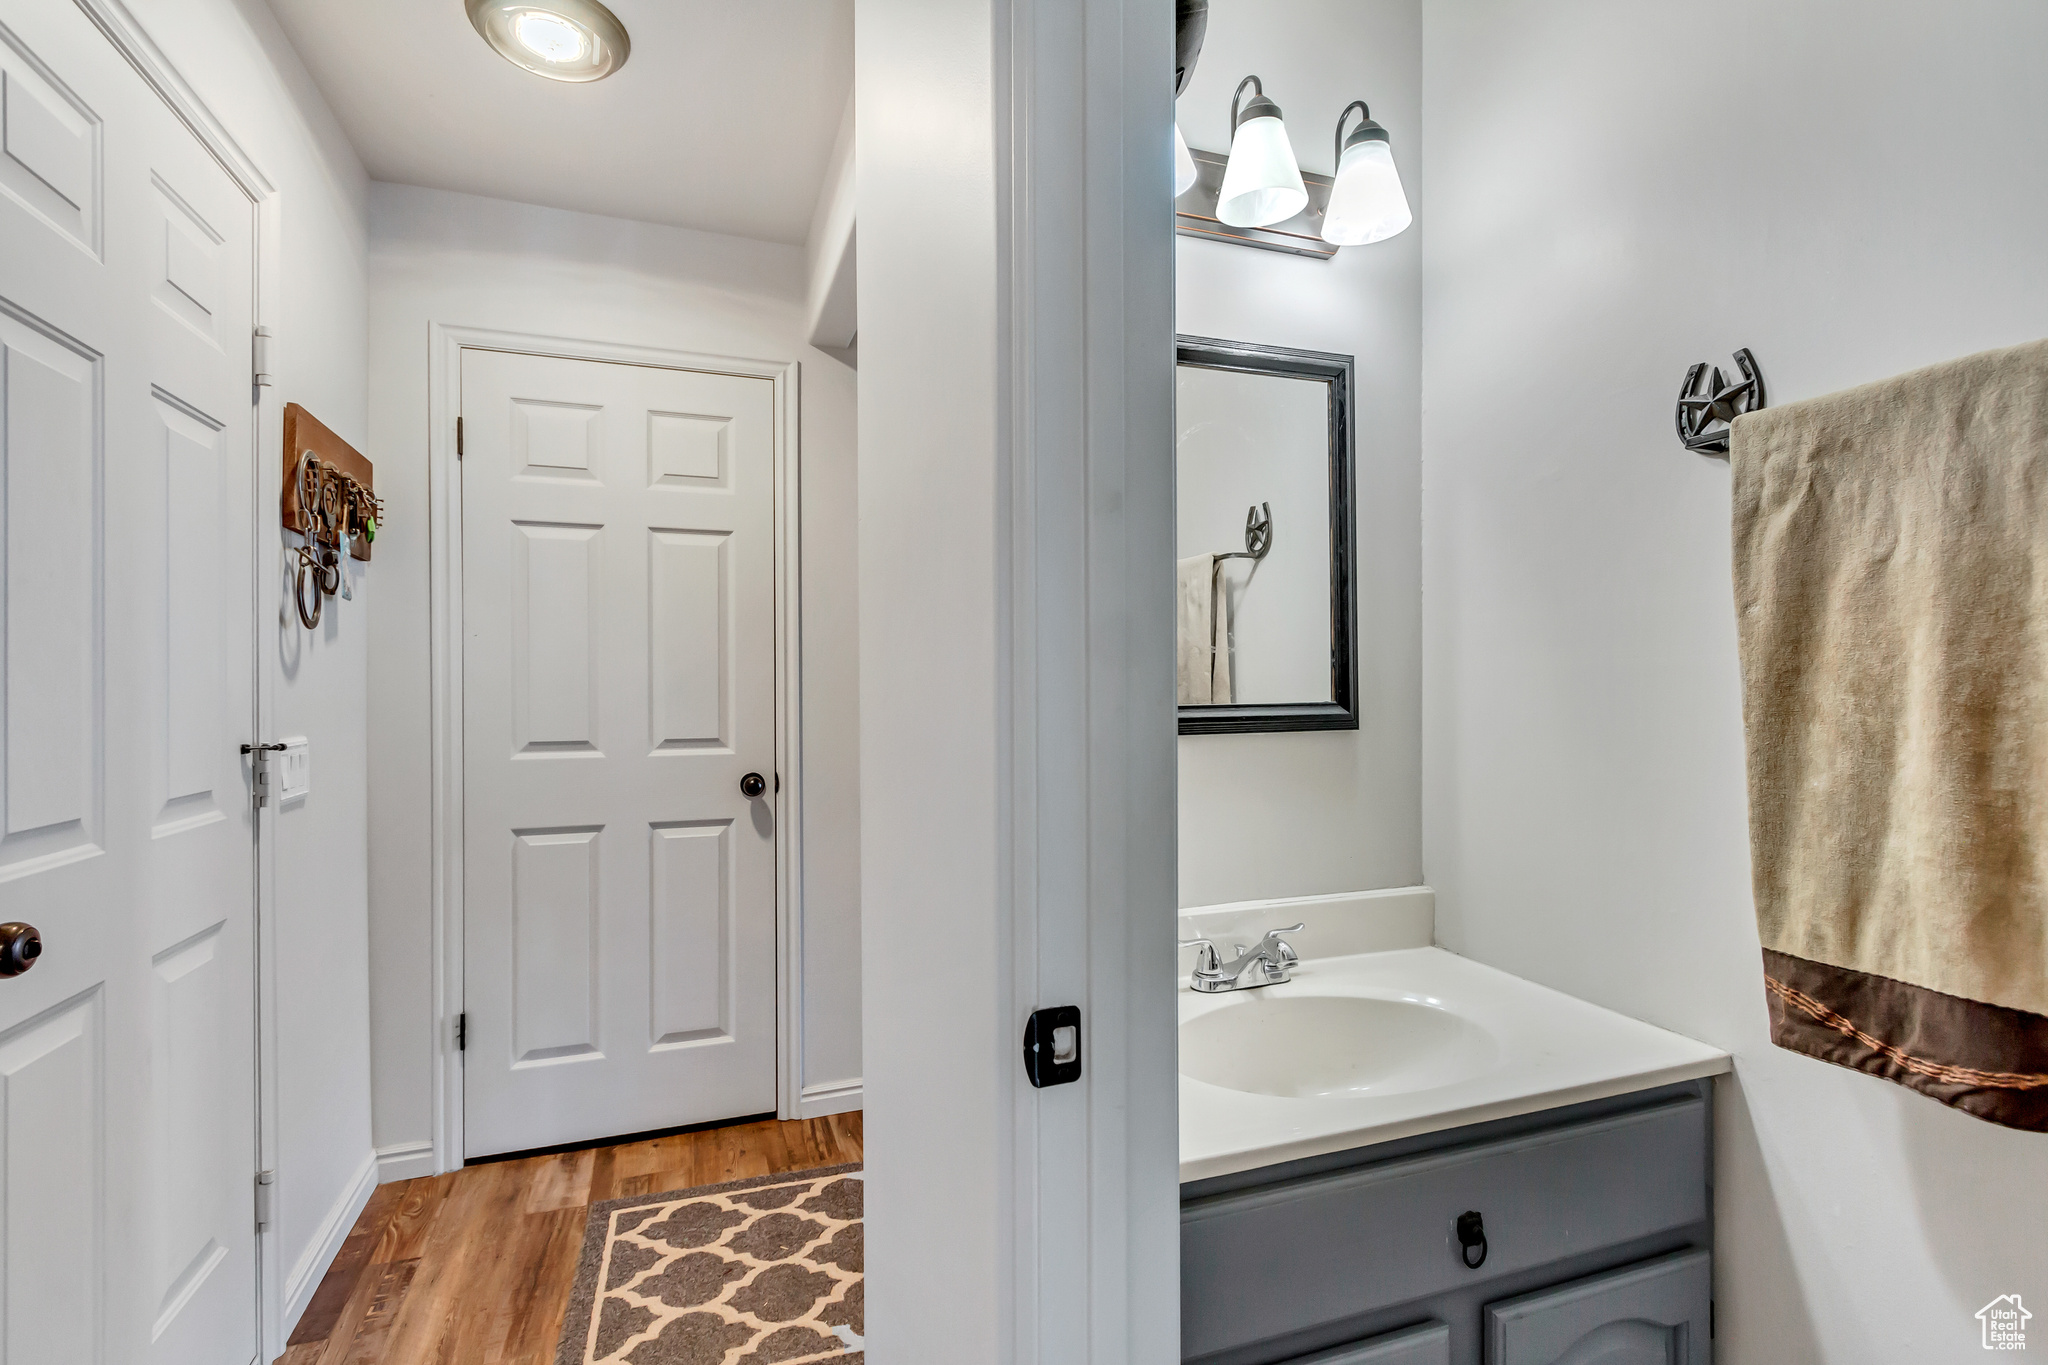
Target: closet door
127,659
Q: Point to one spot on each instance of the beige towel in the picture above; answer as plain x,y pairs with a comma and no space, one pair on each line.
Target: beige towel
1204,631
1891,586
1222,688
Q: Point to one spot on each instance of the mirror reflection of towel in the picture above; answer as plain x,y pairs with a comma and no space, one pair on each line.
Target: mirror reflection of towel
1221,690
1204,632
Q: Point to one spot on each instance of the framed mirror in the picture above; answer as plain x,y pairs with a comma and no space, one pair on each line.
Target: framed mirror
1265,604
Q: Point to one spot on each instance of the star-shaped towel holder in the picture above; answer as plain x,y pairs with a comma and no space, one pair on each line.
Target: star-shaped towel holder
1707,403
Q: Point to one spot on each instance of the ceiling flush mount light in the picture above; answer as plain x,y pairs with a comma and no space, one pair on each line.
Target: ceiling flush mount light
1262,183
564,40
1367,203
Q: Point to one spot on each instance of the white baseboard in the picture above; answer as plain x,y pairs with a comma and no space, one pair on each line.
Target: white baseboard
326,1244
830,1097
405,1161
1339,925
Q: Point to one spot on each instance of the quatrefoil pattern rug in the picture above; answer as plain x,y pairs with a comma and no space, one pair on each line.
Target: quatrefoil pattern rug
758,1272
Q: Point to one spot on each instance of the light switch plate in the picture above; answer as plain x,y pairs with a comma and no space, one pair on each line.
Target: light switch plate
294,769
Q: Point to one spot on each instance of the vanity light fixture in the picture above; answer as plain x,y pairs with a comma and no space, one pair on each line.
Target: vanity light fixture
1367,203
564,40
1262,182
1190,23
1184,172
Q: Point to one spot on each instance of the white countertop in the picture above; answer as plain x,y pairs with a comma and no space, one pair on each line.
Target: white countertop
1519,1048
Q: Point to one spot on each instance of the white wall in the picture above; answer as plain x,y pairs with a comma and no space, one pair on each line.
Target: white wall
315,293
467,261
931,800
1617,190
831,293
1317,812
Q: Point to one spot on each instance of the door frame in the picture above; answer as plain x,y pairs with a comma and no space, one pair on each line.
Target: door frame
1017,383
444,560
132,41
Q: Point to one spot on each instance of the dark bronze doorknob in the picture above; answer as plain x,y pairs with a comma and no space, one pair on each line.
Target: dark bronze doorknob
752,785
20,946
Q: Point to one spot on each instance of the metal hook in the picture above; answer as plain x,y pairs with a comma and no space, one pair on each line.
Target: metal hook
1704,411
1258,533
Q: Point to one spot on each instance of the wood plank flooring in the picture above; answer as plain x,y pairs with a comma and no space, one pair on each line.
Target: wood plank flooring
474,1268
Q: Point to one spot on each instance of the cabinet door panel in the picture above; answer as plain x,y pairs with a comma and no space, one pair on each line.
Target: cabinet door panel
1652,1313
1429,1344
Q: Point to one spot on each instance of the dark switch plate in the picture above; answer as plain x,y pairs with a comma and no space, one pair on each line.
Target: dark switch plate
1052,1046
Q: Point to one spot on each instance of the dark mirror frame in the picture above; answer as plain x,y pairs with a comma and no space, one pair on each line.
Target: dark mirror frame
1342,713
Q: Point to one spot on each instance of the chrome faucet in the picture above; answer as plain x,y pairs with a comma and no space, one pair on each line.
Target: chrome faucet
1267,963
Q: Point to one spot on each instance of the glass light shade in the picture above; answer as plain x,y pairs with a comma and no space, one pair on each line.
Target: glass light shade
549,37
1183,164
1367,203
564,40
1262,183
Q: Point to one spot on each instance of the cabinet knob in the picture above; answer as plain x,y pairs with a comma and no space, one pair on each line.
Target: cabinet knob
752,785
20,946
1471,1233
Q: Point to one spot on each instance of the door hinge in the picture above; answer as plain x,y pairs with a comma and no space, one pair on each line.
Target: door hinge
462,1032
259,770
458,438
266,1181
261,361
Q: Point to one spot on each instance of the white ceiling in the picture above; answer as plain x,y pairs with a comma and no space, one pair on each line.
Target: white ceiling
722,118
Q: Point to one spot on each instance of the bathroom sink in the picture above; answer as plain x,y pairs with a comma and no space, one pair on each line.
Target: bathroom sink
1366,1047
1331,1046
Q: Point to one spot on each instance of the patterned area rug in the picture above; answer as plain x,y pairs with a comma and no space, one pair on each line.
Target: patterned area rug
758,1272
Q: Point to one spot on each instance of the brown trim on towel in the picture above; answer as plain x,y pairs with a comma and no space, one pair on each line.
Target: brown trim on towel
1961,1052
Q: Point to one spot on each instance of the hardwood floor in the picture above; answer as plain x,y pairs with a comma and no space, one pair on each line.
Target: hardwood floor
474,1268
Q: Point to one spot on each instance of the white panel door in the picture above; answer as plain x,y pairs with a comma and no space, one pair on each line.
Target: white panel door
618,685
127,1054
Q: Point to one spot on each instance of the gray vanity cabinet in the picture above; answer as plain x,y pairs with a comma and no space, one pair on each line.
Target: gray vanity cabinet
1596,1220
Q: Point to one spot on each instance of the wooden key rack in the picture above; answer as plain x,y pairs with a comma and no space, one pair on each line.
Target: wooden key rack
330,498
339,465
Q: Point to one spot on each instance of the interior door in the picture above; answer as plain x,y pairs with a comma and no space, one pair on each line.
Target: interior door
618,687
127,1053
